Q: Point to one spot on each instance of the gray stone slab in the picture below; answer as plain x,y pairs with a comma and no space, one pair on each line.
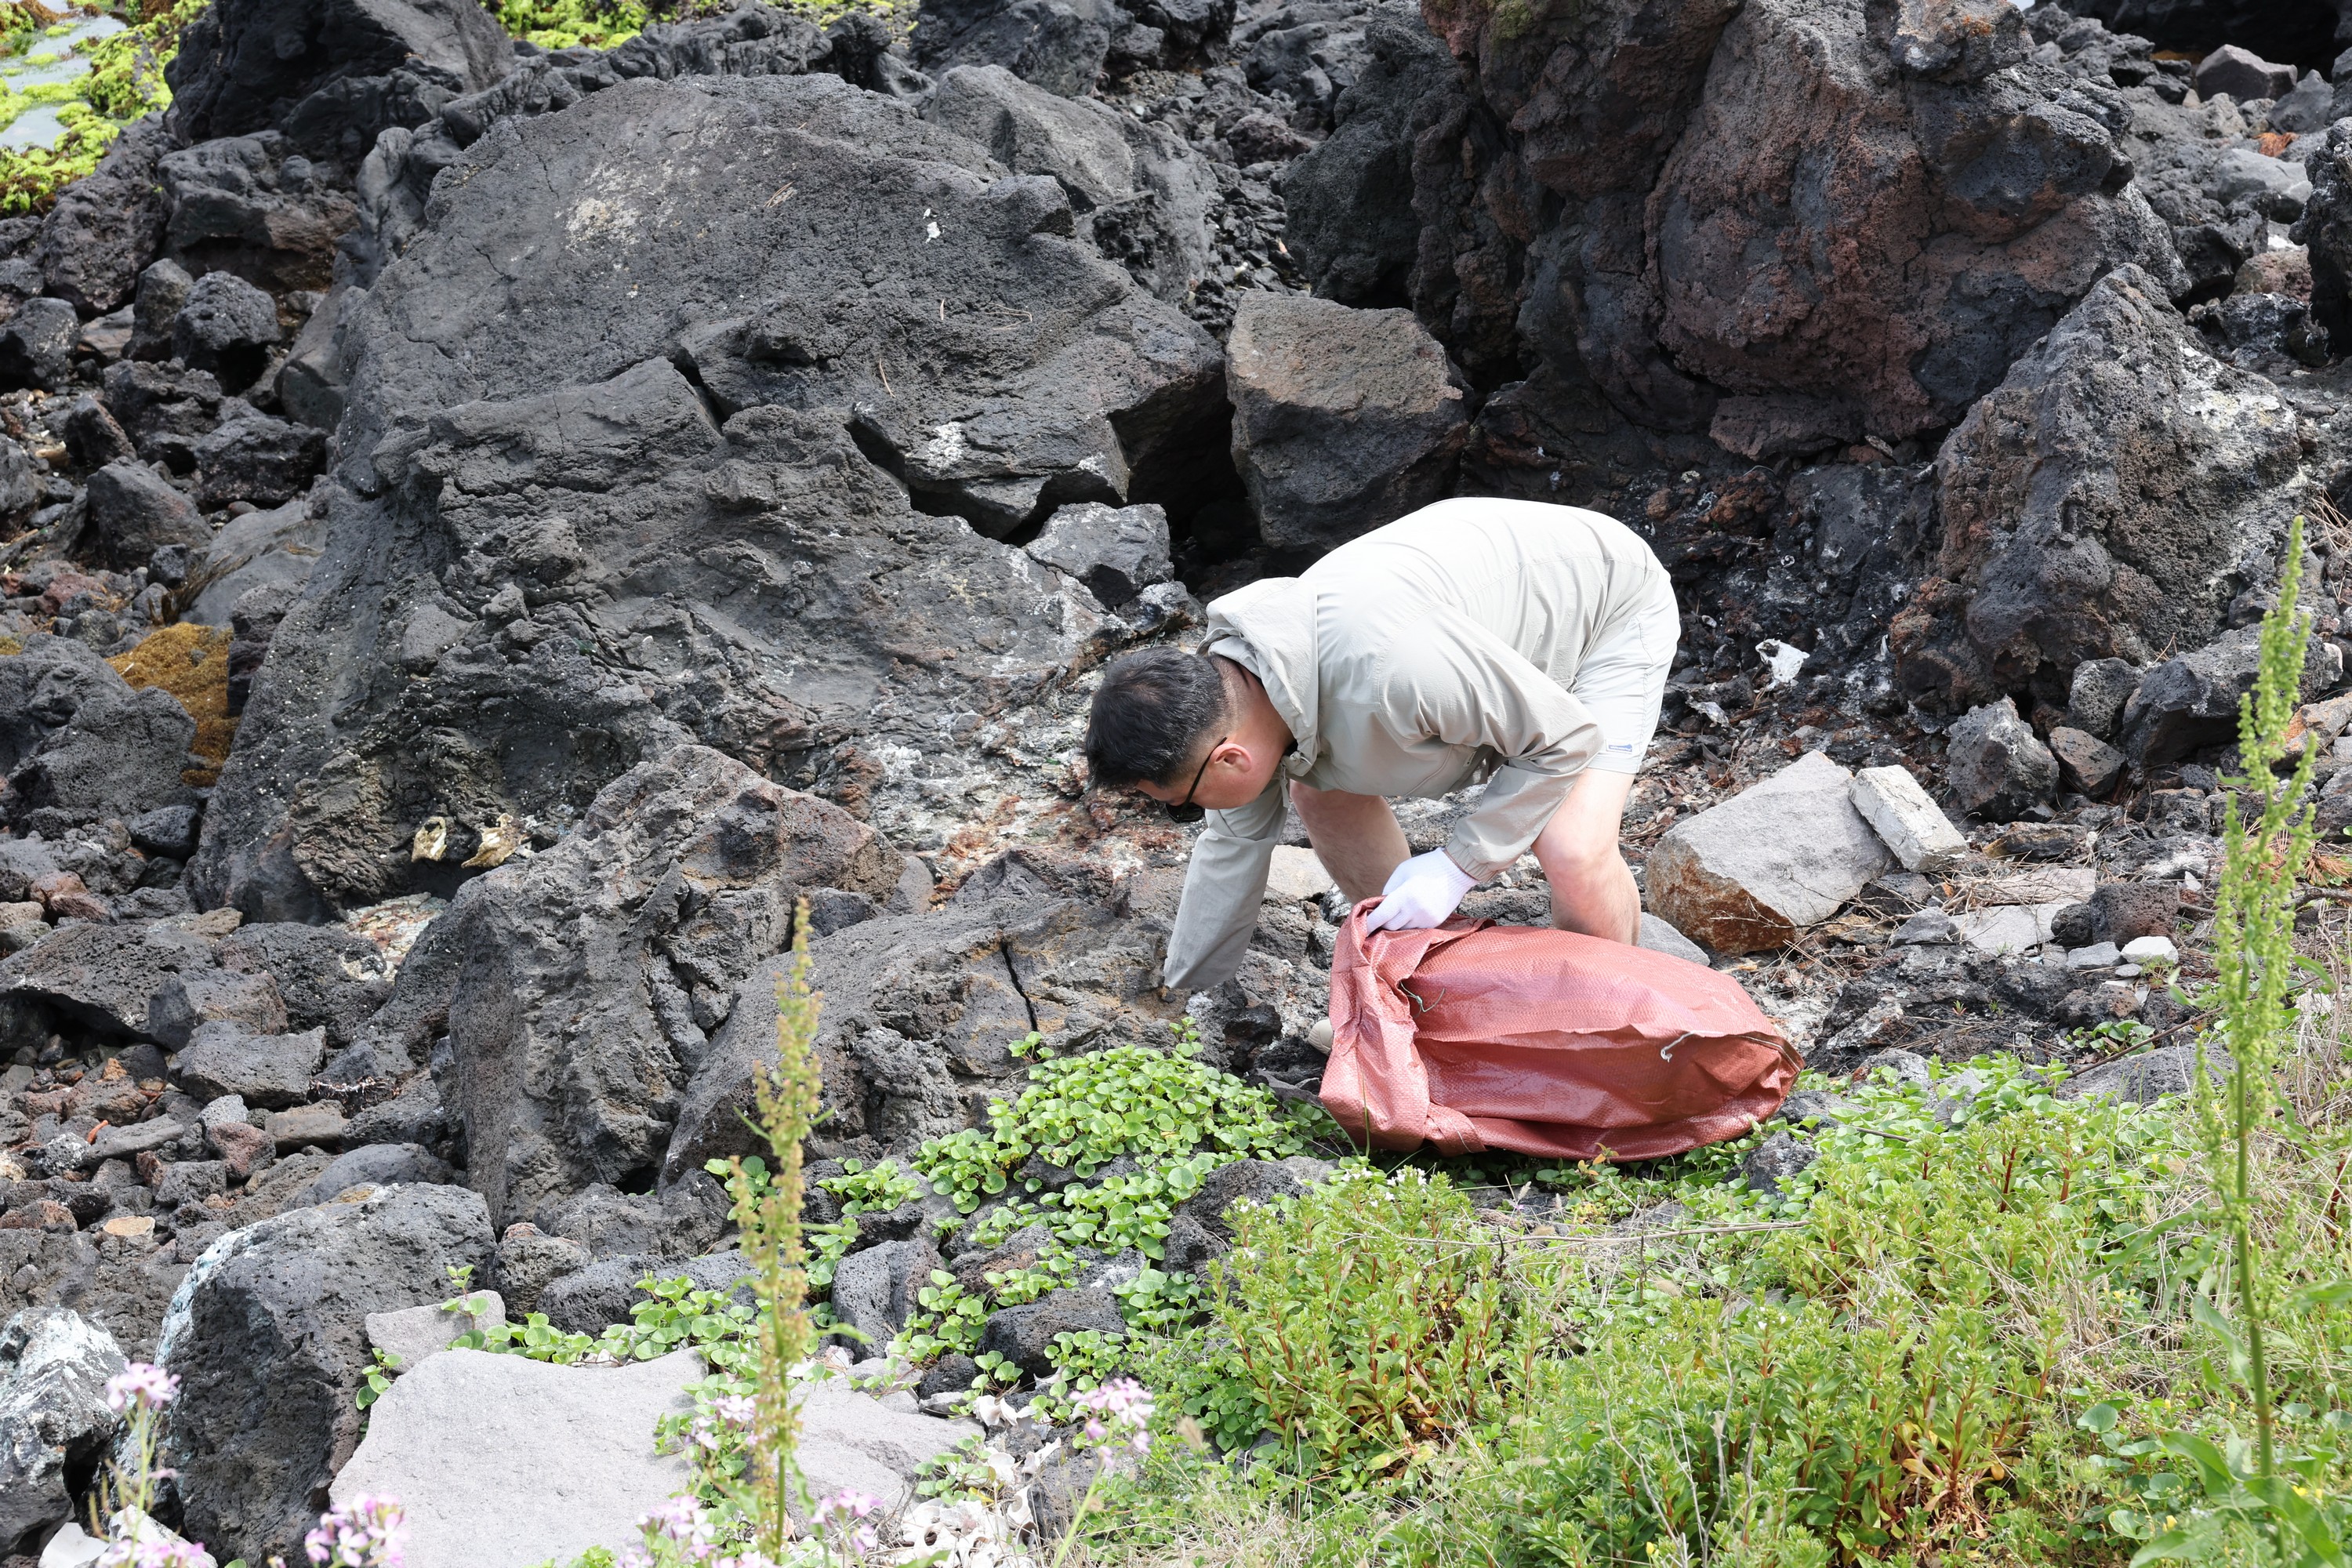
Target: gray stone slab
1780,856
504,1463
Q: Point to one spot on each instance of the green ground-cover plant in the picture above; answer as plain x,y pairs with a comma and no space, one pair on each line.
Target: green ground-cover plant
572,23
1166,1118
1962,1330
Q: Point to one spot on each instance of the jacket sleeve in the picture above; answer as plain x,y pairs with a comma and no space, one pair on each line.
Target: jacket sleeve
1460,684
1222,889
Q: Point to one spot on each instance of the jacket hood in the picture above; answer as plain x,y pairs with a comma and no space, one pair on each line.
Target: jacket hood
1273,622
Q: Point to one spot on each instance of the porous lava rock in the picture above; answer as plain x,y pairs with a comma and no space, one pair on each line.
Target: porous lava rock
254,65
133,512
1792,223
1974,195
107,225
268,1338
1344,419
920,1009
593,974
628,496
2325,230
2112,498
1136,188
1996,766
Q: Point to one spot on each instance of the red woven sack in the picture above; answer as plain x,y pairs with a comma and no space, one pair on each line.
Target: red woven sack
1475,1037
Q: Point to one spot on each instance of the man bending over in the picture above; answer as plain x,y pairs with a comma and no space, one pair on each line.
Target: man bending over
1521,643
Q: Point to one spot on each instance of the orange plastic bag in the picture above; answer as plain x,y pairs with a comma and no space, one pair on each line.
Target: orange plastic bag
1475,1037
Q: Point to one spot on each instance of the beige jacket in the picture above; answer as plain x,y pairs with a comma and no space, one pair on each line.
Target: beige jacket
1412,661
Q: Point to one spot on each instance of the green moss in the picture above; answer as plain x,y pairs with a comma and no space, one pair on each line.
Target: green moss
602,24
571,24
124,83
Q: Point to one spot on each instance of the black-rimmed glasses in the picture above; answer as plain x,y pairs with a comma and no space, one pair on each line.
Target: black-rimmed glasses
1185,810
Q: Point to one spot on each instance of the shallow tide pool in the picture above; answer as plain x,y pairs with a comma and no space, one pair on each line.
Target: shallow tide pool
47,58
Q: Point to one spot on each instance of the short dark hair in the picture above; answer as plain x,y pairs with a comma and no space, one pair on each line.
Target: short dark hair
1153,712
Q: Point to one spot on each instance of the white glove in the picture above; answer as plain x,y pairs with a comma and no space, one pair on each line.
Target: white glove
1421,893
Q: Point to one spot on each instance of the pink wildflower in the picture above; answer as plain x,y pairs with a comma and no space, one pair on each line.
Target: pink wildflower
149,1387
849,1501
1120,1410
143,1551
367,1534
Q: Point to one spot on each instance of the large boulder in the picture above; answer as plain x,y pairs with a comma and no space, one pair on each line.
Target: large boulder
330,978
107,225
255,205
1647,194
122,754
552,551
54,1420
1060,45
594,973
43,687
1778,856
269,1071
753,39
98,978
2111,499
268,1337
503,1462
254,65
920,1011
1977,194
133,512
1348,201
1137,189
1343,419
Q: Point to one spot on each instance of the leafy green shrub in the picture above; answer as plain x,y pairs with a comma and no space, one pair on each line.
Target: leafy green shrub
1885,1362
1367,1334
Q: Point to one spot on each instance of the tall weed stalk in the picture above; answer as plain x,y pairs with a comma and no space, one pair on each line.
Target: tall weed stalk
767,1196
2237,1101
2253,946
